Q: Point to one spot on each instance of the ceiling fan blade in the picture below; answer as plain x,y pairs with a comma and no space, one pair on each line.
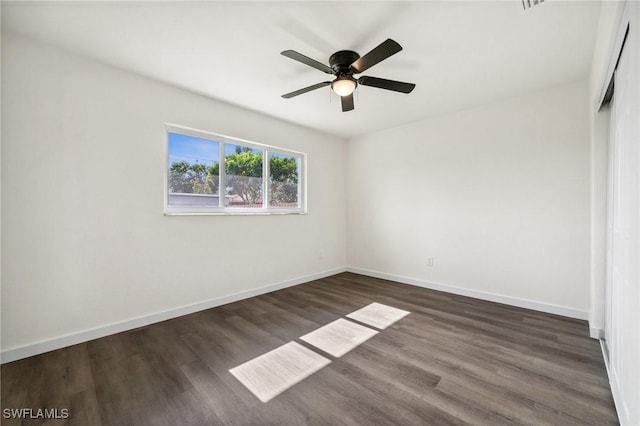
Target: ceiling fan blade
306,89
307,61
379,53
347,102
381,83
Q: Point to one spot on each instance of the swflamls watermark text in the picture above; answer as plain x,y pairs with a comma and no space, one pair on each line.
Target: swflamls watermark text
35,413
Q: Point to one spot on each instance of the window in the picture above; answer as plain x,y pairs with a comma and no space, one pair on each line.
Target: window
213,174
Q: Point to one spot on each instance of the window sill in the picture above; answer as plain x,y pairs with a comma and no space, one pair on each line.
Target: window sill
239,212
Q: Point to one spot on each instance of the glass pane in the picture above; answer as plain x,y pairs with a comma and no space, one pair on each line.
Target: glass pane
283,181
194,171
243,176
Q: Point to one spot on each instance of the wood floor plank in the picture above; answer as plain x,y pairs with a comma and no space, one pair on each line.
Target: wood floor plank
452,360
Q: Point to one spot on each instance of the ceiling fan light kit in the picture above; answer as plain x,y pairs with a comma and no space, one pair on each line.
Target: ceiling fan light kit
344,86
344,64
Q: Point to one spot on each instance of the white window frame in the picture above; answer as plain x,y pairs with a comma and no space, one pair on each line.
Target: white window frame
221,209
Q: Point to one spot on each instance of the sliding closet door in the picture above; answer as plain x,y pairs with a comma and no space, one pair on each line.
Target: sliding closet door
623,319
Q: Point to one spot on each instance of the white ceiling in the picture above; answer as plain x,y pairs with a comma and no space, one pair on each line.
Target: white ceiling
459,54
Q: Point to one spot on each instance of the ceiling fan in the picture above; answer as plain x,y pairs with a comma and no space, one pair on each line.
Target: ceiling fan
346,63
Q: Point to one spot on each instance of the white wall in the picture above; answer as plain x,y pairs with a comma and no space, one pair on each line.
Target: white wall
497,195
85,243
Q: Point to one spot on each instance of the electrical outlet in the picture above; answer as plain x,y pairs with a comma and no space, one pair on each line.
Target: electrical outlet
429,261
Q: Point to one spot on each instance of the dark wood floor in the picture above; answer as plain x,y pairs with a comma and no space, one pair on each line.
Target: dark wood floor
453,360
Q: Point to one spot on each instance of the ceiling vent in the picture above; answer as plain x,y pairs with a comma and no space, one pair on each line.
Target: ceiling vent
528,4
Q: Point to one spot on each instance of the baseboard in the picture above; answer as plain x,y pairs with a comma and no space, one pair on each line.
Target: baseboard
596,333
16,353
491,297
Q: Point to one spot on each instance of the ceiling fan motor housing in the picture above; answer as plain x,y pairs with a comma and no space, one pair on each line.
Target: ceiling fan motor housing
342,60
